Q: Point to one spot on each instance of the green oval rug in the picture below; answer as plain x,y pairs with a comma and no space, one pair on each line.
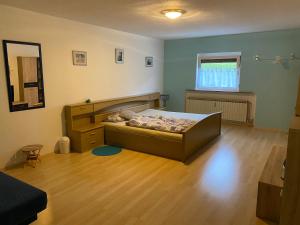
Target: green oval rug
106,150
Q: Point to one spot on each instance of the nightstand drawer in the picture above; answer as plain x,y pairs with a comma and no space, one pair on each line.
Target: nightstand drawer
90,144
82,109
92,139
93,134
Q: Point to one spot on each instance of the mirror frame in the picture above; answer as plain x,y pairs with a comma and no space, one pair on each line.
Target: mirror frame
7,71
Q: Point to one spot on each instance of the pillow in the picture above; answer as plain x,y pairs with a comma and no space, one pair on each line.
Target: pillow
127,114
114,118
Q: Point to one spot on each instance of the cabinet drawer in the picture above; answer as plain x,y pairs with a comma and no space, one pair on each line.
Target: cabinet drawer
83,109
92,139
90,145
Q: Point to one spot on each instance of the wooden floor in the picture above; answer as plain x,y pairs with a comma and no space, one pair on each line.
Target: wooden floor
218,188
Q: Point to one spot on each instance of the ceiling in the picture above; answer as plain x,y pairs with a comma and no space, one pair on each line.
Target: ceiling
203,17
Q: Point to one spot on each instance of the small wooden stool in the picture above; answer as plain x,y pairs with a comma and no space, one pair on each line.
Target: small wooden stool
32,153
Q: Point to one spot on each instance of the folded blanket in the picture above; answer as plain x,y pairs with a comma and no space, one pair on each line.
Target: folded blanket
161,123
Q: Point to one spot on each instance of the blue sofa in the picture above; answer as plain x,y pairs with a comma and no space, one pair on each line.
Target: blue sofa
19,202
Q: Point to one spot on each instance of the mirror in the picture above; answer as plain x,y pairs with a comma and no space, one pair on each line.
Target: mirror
24,75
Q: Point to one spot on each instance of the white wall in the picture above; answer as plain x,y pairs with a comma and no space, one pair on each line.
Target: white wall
65,83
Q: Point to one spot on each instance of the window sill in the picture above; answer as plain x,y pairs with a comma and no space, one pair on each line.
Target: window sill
227,92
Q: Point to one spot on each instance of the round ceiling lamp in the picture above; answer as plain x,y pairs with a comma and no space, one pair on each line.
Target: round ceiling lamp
173,13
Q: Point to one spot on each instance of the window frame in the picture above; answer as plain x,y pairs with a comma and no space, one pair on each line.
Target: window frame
220,55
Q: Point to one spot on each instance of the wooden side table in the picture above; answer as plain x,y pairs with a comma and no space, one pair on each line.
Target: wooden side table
87,138
32,153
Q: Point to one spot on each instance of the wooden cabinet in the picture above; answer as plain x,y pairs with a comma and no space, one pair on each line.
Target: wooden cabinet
270,186
290,209
83,132
86,139
298,101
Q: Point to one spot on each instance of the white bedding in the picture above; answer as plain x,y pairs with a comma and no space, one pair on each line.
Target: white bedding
176,115
161,123
166,114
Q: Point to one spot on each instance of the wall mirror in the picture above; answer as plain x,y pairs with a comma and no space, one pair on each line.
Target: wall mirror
24,75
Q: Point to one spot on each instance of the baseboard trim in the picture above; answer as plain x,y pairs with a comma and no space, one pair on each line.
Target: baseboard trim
231,122
270,129
20,164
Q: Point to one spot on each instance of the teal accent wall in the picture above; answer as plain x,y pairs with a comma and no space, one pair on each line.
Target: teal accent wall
275,85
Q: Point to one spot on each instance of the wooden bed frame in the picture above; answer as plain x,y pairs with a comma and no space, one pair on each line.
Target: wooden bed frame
170,145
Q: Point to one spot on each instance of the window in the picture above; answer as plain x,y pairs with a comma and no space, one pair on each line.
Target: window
218,71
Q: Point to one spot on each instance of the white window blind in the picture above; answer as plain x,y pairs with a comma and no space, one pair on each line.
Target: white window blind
218,71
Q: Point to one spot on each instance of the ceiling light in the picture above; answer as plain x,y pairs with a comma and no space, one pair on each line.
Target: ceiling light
173,13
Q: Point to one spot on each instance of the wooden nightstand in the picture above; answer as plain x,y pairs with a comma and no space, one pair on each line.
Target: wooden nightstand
87,138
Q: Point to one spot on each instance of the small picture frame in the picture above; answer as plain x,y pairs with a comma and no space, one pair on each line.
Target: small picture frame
119,55
79,58
149,61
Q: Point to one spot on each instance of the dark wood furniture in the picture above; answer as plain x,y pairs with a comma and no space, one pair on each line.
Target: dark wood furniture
270,186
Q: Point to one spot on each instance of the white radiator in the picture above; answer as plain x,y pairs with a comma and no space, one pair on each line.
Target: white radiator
237,108
234,111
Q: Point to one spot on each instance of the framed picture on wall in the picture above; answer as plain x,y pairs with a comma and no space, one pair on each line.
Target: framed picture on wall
79,58
119,55
149,61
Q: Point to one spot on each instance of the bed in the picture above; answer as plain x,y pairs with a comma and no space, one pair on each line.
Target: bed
87,117
178,146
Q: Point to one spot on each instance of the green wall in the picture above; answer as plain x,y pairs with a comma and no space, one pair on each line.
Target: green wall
275,85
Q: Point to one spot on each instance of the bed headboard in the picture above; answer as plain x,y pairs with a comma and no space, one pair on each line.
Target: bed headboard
104,108
79,115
